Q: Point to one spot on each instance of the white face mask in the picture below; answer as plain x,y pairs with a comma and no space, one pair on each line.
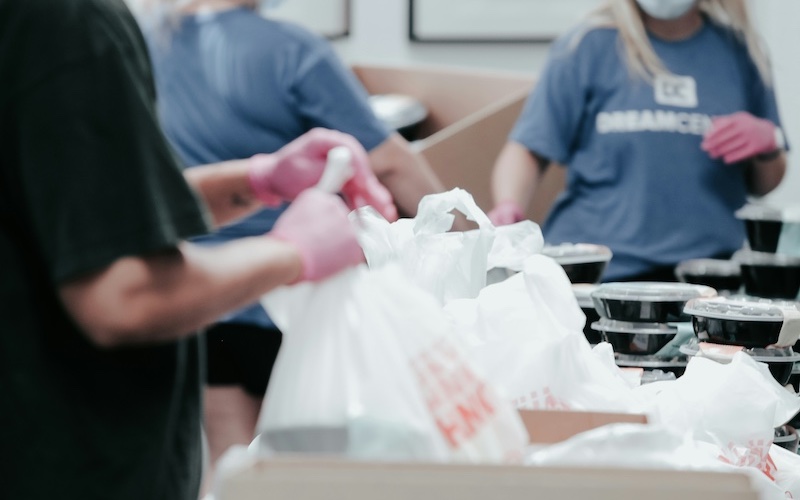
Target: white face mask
666,9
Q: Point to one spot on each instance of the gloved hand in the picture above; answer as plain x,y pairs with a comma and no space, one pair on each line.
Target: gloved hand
506,212
317,224
283,175
740,136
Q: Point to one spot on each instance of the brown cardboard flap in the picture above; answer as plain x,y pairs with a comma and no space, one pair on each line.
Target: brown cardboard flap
463,155
470,116
547,427
306,479
450,94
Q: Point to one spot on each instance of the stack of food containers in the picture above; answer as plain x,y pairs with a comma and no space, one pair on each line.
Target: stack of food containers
766,271
584,264
765,329
645,323
724,276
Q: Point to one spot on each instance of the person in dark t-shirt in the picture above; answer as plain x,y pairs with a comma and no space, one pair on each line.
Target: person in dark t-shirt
99,292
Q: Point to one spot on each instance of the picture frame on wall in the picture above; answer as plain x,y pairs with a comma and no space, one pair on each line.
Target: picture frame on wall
328,18
493,21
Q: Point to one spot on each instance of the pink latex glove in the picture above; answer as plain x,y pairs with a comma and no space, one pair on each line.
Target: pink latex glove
506,212
283,175
740,136
317,224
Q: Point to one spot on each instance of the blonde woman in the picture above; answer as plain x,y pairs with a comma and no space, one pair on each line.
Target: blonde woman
664,115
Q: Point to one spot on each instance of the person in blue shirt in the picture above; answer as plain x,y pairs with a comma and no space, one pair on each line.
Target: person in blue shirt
231,84
664,114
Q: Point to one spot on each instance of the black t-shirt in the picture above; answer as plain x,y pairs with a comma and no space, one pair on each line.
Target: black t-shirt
86,177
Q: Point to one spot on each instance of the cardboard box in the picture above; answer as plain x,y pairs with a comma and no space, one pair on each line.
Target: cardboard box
470,116
305,479
547,427
327,479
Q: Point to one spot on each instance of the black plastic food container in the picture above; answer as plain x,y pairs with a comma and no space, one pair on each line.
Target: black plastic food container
676,365
402,113
738,321
583,262
770,275
763,226
721,275
635,338
786,437
649,302
780,361
583,295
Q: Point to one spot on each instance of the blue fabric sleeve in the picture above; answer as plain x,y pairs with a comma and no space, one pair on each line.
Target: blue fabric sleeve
327,94
550,121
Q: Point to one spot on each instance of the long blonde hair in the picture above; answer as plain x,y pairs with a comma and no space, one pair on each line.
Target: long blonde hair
642,60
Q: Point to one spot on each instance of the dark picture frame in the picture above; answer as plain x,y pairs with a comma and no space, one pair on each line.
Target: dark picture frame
328,18
483,21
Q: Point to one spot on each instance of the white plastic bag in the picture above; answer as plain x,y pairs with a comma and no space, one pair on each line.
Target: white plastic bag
514,244
526,334
449,265
787,470
734,407
369,369
634,446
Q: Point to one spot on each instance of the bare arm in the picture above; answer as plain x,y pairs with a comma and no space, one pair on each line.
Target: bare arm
765,175
516,174
166,296
225,189
405,173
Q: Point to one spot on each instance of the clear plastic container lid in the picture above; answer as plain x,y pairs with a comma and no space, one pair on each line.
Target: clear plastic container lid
709,267
734,309
785,434
652,361
577,253
610,325
398,111
644,291
759,212
726,352
752,258
583,293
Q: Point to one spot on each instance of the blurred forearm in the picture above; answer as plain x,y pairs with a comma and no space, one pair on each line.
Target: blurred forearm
764,176
404,173
168,295
225,189
515,175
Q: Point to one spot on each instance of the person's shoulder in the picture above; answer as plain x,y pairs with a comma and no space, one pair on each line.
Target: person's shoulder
76,27
727,35
585,39
277,32
294,33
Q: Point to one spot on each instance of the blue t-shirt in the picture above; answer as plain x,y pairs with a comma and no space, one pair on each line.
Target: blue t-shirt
637,180
232,84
